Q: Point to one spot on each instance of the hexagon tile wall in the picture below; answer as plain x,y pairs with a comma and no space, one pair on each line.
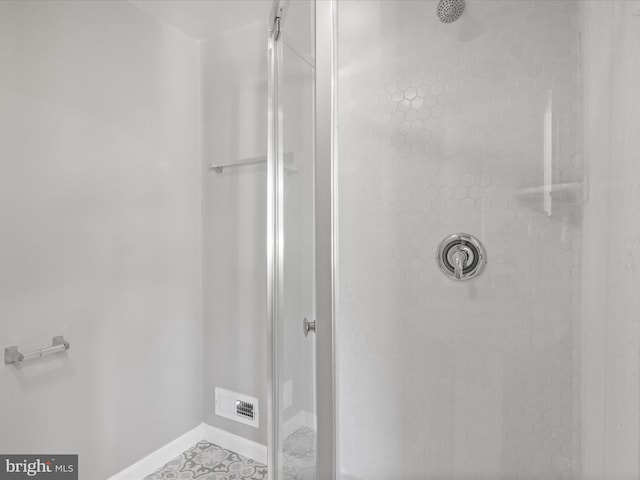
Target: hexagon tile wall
467,127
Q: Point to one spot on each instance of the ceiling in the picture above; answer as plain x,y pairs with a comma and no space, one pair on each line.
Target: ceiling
202,19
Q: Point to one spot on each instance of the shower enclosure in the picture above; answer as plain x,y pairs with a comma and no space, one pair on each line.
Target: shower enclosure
320,239
510,130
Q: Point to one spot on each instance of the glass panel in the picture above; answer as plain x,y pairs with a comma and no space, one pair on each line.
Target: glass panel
298,29
531,369
610,259
297,420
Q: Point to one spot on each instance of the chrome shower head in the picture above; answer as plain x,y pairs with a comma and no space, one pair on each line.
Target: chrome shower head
450,10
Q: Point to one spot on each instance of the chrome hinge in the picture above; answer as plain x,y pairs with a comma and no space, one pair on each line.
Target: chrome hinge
276,28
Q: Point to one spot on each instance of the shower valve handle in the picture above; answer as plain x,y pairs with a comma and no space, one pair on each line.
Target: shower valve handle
460,259
461,256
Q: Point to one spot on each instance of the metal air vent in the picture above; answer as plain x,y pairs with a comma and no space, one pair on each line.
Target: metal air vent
237,407
245,410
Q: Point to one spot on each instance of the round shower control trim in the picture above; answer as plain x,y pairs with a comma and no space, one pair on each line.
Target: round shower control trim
461,256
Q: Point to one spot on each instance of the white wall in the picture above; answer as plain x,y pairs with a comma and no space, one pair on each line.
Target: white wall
100,214
234,126
440,126
611,259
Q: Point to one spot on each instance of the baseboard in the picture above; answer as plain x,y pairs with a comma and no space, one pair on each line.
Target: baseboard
165,454
301,419
171,450
235,443
347,476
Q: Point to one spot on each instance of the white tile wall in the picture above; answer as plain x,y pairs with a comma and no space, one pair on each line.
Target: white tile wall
611,277
440,127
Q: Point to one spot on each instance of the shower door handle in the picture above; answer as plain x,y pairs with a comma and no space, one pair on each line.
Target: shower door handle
308,326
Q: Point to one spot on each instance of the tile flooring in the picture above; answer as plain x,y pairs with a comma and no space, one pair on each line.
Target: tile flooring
206,461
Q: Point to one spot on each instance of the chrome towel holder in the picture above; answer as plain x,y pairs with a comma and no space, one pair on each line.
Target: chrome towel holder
12,355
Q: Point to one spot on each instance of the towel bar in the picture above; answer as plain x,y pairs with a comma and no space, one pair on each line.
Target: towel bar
12,355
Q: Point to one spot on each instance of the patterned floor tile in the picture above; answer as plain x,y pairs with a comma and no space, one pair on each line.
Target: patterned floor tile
206,461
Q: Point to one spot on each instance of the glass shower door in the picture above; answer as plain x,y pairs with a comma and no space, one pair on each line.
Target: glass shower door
293,424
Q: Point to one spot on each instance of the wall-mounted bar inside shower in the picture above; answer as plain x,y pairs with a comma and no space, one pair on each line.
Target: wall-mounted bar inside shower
219,167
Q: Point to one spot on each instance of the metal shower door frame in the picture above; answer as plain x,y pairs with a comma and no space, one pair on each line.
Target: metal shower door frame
275,258
326,233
